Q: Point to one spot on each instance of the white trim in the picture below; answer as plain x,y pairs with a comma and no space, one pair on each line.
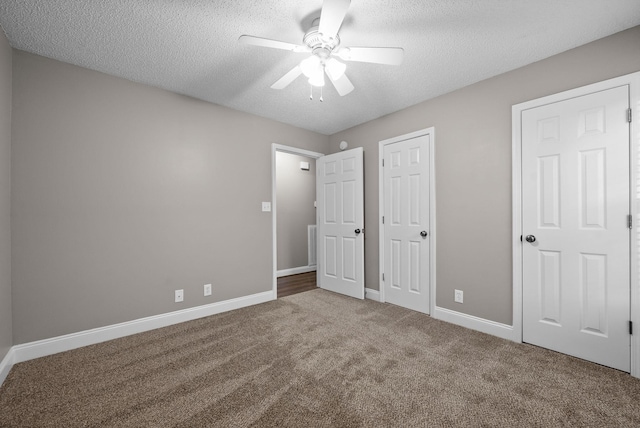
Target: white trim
41,348
503,331
295,271
634,102
274,209
432,209
371,294
516,223
633,80
5,365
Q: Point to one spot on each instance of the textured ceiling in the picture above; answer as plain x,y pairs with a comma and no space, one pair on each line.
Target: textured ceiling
191,46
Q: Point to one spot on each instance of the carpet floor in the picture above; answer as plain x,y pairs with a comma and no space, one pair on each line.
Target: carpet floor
316,359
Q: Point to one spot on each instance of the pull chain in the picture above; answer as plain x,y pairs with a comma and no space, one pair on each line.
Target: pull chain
311,93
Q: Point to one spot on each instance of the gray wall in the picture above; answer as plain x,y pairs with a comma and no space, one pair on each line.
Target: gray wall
6,340
123,193
473,168
296,193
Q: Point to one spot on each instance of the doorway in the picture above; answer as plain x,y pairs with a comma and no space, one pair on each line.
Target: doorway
293,220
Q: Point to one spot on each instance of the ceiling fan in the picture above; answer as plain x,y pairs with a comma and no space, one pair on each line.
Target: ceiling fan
323,42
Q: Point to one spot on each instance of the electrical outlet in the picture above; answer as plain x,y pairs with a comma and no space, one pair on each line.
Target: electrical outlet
179,295
207,289
458,296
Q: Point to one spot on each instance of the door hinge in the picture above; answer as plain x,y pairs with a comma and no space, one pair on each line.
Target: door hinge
630,221
382,277
630,327
383,162
629,115
382,219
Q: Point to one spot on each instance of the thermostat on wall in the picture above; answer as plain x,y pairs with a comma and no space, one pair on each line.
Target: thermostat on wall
304,166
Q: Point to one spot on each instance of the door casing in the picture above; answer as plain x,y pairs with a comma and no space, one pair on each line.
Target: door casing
432,210
633,81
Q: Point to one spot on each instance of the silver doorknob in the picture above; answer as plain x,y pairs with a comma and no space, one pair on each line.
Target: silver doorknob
357,231
423,233
530,238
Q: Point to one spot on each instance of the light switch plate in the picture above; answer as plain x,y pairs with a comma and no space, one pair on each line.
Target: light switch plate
266,206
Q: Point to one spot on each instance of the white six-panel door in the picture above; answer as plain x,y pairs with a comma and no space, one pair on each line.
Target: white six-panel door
340,206
406,223
576,240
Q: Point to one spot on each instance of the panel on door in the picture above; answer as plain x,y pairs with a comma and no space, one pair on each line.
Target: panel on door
576,246
340,205
406,223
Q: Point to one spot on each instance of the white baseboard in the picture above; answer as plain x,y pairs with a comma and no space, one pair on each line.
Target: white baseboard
372,294
5,365
295,271
474,323
41,348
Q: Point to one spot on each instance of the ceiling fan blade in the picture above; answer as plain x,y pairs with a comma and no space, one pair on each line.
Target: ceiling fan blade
343,85
285,80
389,56
332,15
268,43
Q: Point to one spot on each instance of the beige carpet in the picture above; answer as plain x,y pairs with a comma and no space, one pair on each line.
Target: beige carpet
316,359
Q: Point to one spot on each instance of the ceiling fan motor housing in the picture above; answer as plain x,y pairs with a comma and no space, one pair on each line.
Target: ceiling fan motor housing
320,45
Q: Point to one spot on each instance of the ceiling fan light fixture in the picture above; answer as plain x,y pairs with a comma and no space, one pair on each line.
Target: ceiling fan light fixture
317,79
310,66
344,54
335,68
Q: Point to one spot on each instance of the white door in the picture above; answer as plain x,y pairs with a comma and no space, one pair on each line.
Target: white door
340,195
406,223
576,240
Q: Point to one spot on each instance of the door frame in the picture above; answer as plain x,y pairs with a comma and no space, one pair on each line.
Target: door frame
432,210
274,208
633,81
